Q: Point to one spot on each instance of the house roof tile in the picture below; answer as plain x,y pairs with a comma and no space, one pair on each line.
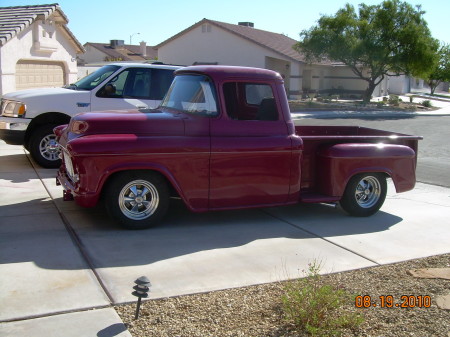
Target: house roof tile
127,52
14,20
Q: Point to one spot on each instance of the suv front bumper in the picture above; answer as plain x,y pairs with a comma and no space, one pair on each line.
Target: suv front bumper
12,130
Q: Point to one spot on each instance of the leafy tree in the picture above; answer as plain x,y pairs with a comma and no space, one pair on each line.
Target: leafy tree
380,40
441,69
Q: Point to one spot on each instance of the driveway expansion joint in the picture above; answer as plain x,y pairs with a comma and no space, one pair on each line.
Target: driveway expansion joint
320,237
56,313
74,237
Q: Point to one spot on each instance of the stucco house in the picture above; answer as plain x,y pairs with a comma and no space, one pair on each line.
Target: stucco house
214,42
37,49
117,50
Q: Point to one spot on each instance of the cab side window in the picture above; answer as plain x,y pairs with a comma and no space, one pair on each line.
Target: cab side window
143,83
250,101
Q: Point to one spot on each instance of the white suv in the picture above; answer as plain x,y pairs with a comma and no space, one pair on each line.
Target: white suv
29,116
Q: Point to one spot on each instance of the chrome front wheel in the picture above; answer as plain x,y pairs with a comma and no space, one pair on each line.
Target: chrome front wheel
137,199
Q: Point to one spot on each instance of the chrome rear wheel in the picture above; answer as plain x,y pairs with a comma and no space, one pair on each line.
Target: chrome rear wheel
364,194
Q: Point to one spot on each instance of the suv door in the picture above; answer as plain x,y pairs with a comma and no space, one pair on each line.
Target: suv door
133,88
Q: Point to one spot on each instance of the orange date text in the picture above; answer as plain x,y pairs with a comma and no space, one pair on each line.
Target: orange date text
389,301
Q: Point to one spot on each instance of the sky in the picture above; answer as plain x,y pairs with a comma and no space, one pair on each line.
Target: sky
154,21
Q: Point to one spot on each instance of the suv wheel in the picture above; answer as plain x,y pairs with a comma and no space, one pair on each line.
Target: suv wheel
44,148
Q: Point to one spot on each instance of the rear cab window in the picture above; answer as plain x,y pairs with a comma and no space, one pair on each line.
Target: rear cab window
250,101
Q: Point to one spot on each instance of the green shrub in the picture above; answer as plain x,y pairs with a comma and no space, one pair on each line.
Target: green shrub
394,100
317,308
427,103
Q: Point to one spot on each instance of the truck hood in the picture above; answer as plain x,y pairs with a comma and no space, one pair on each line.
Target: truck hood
24,95
136,122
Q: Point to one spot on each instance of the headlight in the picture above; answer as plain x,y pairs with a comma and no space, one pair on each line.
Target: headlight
13,108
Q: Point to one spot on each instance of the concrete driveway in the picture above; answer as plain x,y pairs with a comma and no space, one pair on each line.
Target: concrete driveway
59,261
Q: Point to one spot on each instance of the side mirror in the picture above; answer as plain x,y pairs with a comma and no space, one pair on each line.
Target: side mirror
110,89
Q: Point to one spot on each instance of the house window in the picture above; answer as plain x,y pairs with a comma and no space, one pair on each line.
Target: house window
206,28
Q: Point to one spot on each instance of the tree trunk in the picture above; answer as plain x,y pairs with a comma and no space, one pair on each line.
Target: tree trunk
433,85
367,96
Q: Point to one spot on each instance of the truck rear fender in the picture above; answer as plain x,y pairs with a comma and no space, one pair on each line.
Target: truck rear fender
338,163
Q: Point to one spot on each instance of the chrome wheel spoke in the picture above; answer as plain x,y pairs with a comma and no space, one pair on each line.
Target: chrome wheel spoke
134,191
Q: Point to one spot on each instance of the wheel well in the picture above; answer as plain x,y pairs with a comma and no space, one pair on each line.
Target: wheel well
57,118
173,192
383,173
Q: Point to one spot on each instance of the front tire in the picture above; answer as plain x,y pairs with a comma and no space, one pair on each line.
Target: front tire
365,194
44,148
137,199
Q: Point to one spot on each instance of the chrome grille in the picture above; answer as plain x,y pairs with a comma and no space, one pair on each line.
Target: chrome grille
68,164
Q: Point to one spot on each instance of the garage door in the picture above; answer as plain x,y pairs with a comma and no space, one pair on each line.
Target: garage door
36,74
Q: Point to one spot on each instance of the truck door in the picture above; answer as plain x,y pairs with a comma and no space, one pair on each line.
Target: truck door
250,149
133,88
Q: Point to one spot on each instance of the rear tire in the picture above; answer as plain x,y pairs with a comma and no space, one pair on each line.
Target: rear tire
365,194
44,148
137,199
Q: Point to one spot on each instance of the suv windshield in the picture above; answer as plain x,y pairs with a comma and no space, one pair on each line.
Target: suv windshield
92,80
193,94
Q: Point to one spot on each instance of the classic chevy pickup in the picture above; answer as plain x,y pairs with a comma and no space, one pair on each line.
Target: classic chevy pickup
223,138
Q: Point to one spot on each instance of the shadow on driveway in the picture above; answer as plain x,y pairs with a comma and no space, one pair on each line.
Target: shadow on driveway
29,239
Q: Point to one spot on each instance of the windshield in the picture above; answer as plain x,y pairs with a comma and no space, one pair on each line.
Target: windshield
193,94
92,80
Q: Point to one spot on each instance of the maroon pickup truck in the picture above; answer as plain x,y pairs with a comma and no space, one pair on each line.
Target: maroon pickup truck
223,138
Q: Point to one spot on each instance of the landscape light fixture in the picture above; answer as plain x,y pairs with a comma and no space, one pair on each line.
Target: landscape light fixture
141,290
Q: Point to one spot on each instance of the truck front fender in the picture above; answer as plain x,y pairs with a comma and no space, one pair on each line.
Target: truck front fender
194,202
338,163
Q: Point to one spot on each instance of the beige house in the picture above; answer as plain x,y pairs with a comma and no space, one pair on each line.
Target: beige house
214,42
117,50
36,48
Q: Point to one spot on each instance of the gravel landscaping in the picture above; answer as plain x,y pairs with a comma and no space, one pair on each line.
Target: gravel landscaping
257,310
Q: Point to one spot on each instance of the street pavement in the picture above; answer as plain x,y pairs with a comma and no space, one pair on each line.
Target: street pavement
62,267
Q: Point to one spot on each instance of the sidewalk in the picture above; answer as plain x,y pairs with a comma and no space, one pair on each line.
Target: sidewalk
442,104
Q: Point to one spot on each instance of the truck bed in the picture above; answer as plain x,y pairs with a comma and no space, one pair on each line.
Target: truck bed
317,137
355,132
